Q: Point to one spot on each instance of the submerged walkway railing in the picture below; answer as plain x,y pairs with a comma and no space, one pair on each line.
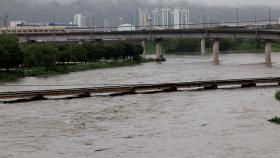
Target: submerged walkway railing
25,96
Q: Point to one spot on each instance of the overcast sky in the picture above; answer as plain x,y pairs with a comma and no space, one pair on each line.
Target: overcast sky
238,2
207,2
223,9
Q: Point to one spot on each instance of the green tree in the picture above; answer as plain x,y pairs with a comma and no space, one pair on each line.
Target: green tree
120,52
62,54
42,55
138,52
10,53
77,53
181,45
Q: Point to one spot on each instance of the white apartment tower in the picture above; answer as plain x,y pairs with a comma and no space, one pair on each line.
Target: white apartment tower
155,18
184,18
165,16
176,22
80,20
143,19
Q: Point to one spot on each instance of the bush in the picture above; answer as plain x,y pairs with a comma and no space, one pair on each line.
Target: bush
275,120
277,95
119,51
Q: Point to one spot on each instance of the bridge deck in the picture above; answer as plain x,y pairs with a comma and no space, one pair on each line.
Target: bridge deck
150,34
142,87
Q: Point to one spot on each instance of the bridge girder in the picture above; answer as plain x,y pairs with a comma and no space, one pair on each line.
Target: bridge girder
146,35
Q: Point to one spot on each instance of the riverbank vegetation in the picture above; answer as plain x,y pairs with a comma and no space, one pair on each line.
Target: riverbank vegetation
277,95
63,69
276,119
43,59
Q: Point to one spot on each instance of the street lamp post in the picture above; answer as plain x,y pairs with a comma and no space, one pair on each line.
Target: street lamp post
150,27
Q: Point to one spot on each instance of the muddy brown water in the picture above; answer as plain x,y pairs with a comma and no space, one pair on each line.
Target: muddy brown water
189,124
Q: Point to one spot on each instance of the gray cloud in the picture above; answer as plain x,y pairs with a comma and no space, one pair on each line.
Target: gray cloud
205,2
238,2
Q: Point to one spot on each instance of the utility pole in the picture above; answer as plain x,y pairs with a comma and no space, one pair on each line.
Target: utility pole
131,21
15,21
110,23
203,18
93,23
6,18
237,17
269,15
54,34
93,28
220,19
255,18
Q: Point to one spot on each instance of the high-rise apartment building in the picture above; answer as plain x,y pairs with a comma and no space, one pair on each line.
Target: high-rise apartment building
184,18
176,22
80,20
143,19
155,18
164,18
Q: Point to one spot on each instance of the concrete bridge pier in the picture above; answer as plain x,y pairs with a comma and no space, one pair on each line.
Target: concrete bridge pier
268,46
216,51
203,49
158,49
144,49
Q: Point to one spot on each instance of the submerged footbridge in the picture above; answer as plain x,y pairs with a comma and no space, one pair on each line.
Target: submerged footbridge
118,90
268,36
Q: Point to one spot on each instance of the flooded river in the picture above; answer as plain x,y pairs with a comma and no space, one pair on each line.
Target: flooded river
189,124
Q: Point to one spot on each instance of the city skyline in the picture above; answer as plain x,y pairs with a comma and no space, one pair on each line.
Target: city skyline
38,11
165,18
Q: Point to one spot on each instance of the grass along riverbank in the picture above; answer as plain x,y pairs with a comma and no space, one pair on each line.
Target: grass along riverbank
13,75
